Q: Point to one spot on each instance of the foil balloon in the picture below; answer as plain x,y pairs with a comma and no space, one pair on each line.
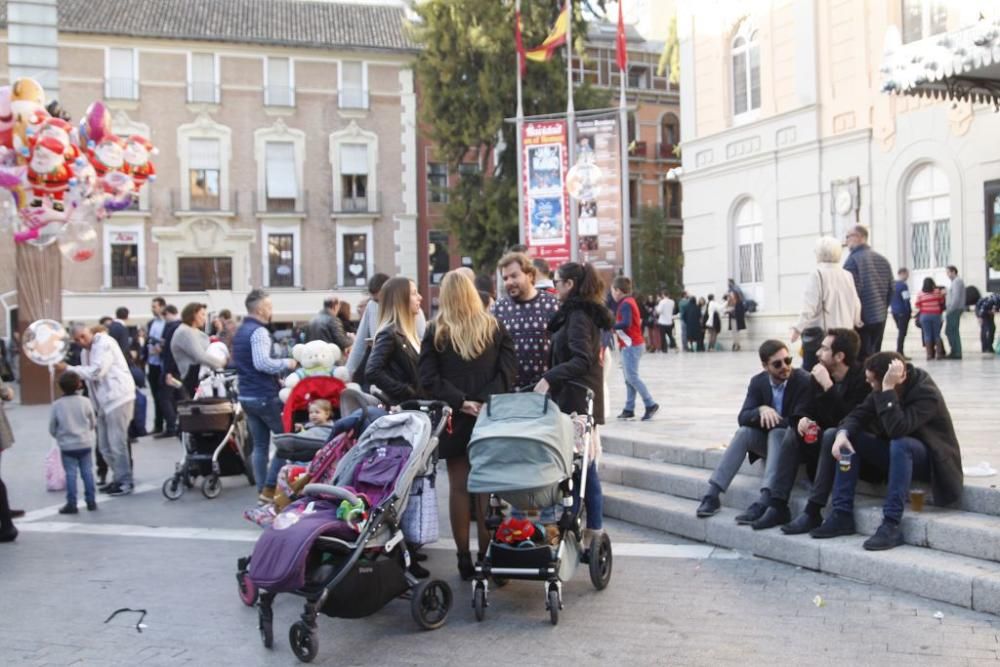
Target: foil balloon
78,237
96,123
8,211
45,342
119,189
38,226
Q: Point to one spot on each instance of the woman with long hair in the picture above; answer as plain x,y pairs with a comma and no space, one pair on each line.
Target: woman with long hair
929,306
392,364
576,364
466,355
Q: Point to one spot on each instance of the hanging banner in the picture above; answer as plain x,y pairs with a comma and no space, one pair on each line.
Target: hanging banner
546,204
595,183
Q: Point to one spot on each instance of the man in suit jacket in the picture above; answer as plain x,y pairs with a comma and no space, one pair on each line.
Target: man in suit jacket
119,330
776,398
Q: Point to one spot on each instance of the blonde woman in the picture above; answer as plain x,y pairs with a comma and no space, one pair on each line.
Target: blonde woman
466,355
392,364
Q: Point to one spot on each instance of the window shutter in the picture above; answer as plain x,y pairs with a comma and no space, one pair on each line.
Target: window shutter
203,153
354,159
120,63
280,166
351,75
203,68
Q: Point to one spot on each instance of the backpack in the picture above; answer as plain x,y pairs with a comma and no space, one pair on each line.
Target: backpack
972,295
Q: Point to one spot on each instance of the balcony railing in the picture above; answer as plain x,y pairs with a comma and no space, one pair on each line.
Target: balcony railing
355,205
203,92
279,96
665,151
208,202
121,89
353,98
297,205
637,149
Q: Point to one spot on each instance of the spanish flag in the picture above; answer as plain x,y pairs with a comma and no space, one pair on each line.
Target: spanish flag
555,39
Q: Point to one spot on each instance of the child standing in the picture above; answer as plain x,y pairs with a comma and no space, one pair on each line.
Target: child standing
74,426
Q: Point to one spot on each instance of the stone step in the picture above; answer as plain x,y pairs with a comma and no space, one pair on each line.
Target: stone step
968,582
979,495
953,531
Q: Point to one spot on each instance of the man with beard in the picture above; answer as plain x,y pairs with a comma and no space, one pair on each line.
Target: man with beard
525,313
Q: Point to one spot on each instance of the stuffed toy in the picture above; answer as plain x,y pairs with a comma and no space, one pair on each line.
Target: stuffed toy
316,359
212,384
512,530
27,105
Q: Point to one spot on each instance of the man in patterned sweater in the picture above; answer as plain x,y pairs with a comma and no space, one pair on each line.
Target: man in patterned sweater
525,313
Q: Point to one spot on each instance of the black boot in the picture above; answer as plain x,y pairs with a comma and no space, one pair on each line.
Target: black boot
465,567
8,533
836,525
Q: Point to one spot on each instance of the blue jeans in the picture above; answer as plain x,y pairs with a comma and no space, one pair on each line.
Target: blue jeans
930,328
630,366
264,418
952,319
79,460
902,458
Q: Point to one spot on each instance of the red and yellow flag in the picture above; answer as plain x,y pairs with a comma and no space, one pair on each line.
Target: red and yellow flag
556,38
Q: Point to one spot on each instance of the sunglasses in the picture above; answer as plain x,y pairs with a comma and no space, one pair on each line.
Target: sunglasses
776,364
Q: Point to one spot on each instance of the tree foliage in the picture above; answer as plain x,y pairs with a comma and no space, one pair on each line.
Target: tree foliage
654,267
467,77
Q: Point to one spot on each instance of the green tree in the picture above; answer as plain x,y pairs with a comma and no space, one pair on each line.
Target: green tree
467,76
654,265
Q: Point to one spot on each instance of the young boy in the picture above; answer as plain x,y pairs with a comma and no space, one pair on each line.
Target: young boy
628,331
74,426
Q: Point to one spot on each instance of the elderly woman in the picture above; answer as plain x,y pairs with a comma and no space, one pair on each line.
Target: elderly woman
189,346
830,301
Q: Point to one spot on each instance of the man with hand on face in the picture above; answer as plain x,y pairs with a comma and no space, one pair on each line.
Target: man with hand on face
525,313
903,430
776,398
838,386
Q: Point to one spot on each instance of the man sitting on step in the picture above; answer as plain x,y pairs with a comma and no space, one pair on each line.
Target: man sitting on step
775,399
904,429
838,386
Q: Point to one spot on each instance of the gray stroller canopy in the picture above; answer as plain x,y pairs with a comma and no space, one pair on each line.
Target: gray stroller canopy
520,442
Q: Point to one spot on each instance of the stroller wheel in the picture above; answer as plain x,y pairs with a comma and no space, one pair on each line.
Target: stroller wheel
479,601
305,644
431,603
553,605
600,558
211,487
172,488
247,589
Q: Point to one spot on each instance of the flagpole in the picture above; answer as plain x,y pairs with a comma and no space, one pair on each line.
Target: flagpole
626,199
574,245
521,238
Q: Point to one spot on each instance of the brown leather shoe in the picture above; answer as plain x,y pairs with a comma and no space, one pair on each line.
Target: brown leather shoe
16,514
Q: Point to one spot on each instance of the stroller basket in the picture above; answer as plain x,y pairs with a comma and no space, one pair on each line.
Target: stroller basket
521,443
205,415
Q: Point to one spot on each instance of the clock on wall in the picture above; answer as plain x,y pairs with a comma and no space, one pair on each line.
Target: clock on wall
843,205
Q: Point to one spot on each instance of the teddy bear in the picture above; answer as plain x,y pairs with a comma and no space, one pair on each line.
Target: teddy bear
316,359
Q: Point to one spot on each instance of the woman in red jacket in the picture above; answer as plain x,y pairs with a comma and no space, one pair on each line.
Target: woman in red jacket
929,306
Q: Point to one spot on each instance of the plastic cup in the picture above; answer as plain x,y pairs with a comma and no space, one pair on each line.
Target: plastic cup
917,497
845,462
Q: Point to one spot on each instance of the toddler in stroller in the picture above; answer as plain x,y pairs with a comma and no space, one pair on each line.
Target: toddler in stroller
341,546
526,452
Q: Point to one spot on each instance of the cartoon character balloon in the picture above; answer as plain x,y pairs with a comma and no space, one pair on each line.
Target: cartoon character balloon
27,104
45,342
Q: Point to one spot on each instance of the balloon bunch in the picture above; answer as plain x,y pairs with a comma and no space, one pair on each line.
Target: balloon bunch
58,181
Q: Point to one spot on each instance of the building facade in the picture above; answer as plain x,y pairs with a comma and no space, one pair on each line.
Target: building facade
787,136
287,150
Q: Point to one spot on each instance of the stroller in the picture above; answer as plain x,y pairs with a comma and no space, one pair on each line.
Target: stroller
216,443
522,451
296,410
341,546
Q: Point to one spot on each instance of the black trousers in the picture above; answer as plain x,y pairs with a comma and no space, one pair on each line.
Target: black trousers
902,324
168,407
987,332
667,333
6,523
871,338
154,377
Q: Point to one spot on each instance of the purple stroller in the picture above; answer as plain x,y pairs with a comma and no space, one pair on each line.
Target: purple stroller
345,563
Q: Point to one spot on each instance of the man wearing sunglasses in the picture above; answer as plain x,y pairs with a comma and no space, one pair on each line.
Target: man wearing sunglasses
775,400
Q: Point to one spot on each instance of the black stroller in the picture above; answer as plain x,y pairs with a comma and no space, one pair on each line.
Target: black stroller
216,443
526,452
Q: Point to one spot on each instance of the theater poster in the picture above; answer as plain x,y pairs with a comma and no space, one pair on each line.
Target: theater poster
596,186
546,203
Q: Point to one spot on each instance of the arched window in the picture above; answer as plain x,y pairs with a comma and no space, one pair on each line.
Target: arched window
669,130
748,226
928,219
745,49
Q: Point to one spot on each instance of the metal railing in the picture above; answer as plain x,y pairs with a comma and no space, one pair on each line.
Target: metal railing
637,149
348,205
279,96
203,201
264,204
203,92
352,98
121,89
665,151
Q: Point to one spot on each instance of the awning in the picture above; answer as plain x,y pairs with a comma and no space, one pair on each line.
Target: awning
962,65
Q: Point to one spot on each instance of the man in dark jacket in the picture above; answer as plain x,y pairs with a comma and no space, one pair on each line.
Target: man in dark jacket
327,327
986,307
904,429
873,281
902,311
775,400
169,374
838,386
119,330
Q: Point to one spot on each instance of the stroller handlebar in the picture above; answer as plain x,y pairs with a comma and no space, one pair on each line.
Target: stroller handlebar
330,490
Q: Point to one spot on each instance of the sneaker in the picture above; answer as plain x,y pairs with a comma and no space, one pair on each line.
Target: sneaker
91,505
626,415
123,490
803,524
888,536
836,525
710,506
17,514
165,434
418,570
650,411
110,489
774,516
8,535
754,512
68,509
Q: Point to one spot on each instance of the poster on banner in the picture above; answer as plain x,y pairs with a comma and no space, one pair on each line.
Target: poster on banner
543,180
596,177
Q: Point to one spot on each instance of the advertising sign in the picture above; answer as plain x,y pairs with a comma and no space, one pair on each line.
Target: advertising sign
595,182
545,161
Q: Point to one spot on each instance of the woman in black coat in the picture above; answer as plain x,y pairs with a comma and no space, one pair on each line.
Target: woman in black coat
576,360
465,357
392,363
